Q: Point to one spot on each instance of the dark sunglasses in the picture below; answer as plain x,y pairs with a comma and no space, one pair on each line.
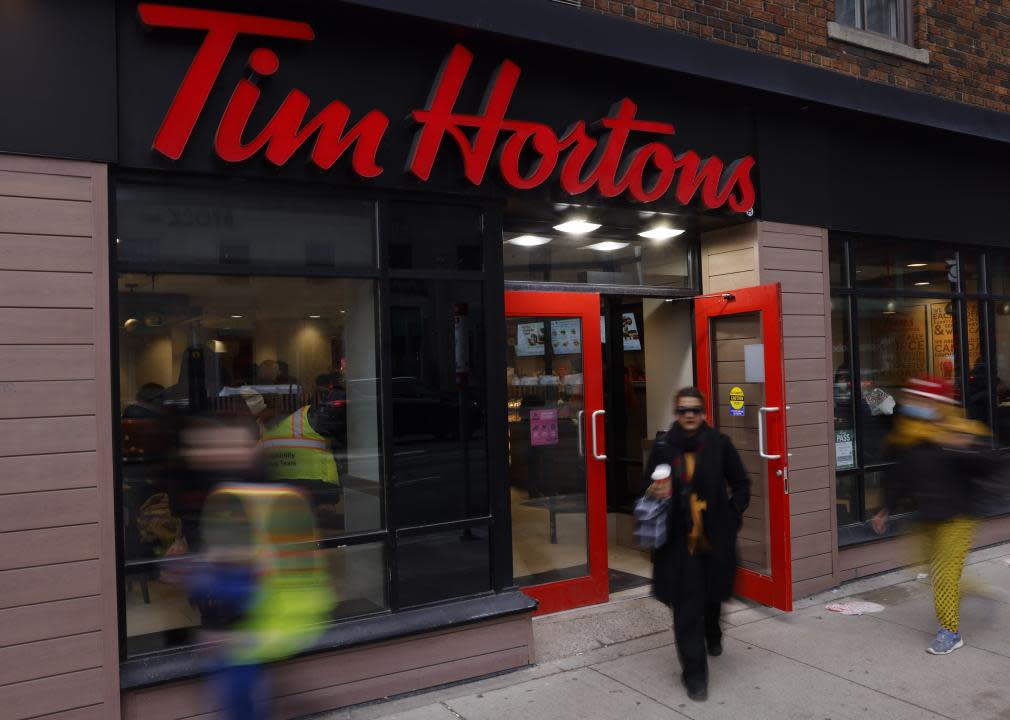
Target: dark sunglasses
689,410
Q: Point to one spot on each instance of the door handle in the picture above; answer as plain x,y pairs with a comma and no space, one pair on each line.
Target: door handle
761,433
579,431
592,419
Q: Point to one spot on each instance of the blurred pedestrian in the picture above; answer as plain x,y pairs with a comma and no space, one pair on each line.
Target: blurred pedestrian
693,572
940,459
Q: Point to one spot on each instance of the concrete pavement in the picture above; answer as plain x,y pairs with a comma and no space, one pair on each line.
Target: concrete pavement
618,661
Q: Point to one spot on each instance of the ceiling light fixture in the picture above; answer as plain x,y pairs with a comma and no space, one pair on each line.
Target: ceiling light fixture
528,240
606,246
314,317
922,283
916,265
236,317
661,232
577,227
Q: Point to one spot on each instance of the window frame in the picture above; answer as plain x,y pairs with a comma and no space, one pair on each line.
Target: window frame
848,291
905,20
492,312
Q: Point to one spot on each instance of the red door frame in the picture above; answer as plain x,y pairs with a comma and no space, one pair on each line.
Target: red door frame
774,590
593,588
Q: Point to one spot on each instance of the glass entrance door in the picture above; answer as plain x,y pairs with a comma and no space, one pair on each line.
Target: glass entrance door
556,447
740,371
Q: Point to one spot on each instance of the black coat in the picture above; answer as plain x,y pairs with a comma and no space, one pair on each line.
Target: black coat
721,480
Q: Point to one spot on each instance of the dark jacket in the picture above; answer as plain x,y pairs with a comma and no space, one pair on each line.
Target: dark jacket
717,465
941,483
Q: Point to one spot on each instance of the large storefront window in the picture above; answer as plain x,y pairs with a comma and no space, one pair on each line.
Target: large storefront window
250,350
900,310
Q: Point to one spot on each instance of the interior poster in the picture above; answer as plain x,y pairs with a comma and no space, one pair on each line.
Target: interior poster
630,329
529,339
544,427
941,321
898,341
566,336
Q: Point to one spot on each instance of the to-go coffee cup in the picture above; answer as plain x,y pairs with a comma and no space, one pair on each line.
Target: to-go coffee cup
661,480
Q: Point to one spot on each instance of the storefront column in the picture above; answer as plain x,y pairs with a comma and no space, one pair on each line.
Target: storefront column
59,653
795,256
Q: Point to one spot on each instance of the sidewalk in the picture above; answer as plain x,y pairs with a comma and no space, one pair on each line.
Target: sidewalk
618,661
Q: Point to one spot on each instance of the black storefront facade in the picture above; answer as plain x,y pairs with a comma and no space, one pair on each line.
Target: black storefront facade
367,264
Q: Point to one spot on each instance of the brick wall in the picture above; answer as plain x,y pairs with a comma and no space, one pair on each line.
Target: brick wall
968,41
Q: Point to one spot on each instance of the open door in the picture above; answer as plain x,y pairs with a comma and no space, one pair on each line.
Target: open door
556,456
738,349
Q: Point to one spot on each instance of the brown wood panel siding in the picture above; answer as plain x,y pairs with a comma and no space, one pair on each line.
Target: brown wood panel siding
39,185
24,363
773,258
328,681
808,435
796,257
64,581
806,588
729,258
809,413
57,508
811,567
38,436
46,252
46,217
803,347
34,289
809,501
811,479
45,621
46,326
32,473
34,698
805,369
794,281
815,544
802,303
57,398
30,548
50,657
58,618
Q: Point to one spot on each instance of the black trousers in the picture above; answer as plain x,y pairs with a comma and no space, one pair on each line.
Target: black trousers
695,618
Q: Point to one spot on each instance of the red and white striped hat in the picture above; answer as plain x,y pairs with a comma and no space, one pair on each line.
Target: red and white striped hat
933,388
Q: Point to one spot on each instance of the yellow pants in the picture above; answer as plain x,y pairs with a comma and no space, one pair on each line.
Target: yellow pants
948,543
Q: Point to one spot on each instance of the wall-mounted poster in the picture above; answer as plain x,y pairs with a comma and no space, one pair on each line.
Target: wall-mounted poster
543,427
629,327
566,336
530,339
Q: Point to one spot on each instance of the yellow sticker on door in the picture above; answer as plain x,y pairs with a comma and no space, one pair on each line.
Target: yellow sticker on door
736,402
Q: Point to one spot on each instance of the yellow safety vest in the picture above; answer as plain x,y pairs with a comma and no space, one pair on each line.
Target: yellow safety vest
293,450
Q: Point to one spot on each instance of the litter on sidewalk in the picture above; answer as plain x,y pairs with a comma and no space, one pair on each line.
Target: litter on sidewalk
854,608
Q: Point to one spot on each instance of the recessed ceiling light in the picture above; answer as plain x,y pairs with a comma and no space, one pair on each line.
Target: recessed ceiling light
577,227
343,312
890,312
606,246
922,283
916,265
529,240
236,317
661,232
314,317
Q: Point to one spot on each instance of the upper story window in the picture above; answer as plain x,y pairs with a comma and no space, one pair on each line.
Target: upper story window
890,18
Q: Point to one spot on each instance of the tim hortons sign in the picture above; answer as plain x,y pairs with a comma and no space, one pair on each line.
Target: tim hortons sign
529,153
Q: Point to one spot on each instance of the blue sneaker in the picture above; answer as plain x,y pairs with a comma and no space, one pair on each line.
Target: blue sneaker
945,643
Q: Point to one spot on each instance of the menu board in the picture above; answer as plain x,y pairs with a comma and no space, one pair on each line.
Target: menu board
566,336
944,342
900,343
530,339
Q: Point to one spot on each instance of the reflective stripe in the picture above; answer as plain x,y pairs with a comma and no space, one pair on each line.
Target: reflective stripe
294,443
296,423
